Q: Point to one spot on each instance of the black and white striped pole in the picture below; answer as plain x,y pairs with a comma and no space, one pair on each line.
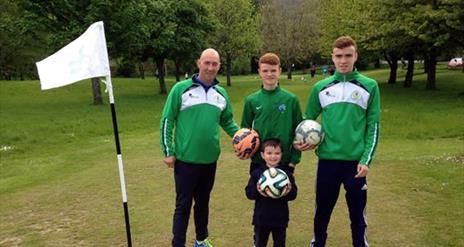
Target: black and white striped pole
119,157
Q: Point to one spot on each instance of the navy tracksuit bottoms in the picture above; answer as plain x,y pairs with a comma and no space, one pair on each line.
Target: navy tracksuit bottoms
262,235
331,174
193,182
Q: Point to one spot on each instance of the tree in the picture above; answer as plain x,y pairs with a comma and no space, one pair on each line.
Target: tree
127,29
438,24
290,30
64,21
408,27
373,24
192,26
384,34
19,48
174,29
158,34
410,71
337,18
235,31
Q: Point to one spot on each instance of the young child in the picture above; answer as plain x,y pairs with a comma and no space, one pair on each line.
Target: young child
270,215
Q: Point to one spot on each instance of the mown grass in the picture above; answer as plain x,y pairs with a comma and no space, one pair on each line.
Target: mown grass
59,182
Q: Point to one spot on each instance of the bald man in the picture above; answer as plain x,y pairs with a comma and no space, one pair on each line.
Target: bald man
196,108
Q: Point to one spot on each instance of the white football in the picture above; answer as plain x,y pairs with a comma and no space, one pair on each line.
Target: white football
273,181
309,131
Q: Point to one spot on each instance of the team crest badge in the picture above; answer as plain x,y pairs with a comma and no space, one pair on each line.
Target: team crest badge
356,95
282,108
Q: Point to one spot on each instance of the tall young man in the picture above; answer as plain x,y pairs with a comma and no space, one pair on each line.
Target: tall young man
196,108
350,106
273,112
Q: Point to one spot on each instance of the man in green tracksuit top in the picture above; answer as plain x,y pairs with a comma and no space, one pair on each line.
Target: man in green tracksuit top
273,112
350,106
195,108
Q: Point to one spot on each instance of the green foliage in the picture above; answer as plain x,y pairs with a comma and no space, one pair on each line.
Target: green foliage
396,28
126,68
192,26
298,30
135,30
337,18
403,25
171,29
235,24
241,66
290,30
64,21
438,23
235,31
19,47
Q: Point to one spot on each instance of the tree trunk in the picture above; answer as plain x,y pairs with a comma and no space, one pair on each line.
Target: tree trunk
228,69
426,63
431,75
254,64
392,60
289,70
160,67
142,71
97,96
177,71
410,72
6,75
21,74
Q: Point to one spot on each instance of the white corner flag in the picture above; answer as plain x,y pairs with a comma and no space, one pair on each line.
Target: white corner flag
85,57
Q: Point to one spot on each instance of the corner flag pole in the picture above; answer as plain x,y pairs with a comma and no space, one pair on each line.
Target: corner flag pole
119,157
83,58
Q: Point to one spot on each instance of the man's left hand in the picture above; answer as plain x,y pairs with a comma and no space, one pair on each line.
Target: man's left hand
362,171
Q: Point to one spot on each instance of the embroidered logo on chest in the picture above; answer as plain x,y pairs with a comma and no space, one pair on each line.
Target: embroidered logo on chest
282,108
355,95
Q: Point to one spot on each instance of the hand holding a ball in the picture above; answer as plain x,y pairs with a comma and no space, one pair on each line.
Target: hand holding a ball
303,146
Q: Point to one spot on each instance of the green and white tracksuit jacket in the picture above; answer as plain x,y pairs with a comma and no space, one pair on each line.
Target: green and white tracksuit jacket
274,114
350,107
196,115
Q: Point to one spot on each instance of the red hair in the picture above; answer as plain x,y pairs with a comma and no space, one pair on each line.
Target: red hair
269,58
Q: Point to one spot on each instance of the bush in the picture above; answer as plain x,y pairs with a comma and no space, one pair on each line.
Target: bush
126,68
241,66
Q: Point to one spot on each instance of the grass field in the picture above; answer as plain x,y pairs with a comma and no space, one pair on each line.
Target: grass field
59,183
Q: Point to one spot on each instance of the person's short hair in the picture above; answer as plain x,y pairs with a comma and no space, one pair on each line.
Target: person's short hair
269,58
343,42
271,142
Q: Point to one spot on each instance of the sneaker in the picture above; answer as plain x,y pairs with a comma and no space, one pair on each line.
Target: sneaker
204,243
